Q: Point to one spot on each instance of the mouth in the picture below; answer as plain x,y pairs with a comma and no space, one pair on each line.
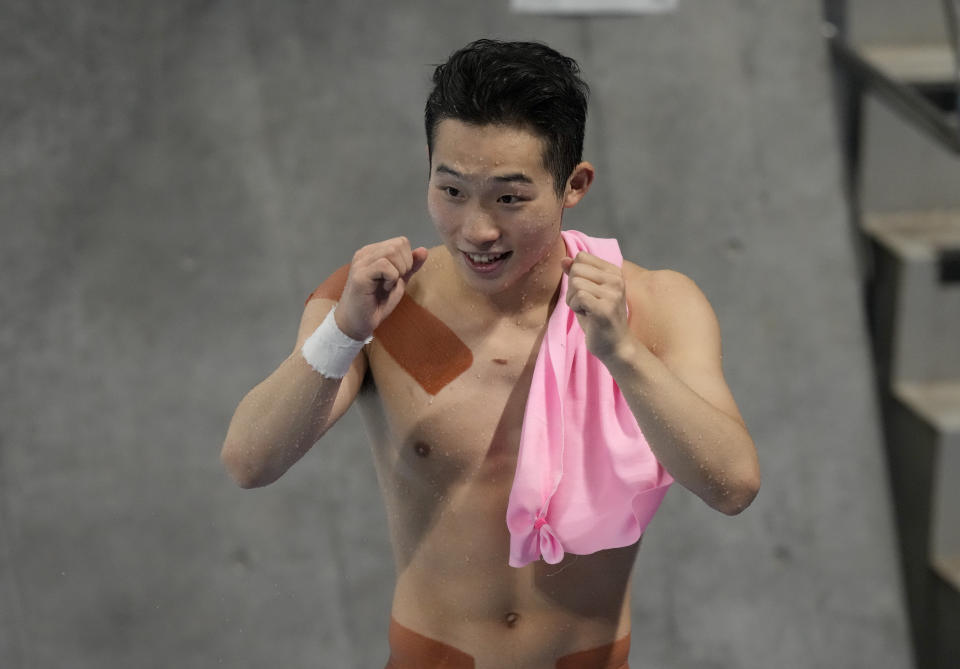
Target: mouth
486,262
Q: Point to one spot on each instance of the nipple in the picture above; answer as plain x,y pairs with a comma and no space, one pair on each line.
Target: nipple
422,449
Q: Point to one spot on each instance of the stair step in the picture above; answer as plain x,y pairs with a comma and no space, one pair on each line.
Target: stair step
896,21
917,232
937,405
915,295
902,167
922,64
948,569
937,402
922,427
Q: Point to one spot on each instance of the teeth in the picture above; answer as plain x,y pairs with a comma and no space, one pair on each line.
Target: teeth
484,257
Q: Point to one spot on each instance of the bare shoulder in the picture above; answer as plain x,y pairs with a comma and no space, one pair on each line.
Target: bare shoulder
432,276
662,287
668,309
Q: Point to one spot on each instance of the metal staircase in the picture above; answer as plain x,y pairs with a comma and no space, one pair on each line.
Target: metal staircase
900,120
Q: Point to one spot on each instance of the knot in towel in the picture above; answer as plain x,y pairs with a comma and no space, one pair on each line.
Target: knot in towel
550,547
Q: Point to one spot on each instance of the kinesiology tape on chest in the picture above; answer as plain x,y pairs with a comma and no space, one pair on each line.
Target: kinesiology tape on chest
418,341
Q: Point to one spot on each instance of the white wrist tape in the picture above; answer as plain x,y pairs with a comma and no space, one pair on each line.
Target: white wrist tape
329,351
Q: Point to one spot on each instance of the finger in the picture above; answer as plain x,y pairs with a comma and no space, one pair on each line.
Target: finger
593,265
585,261
392,248
580,303
400,254
385,272
566,264
402,260
598,275
586,285
419,258
583,257
595,299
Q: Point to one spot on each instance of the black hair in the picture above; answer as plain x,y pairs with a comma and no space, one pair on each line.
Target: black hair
526,84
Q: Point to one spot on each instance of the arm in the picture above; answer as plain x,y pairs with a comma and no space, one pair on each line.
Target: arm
678,395
283,416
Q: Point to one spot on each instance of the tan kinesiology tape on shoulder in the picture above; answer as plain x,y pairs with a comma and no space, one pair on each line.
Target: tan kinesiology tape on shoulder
423,345
332,287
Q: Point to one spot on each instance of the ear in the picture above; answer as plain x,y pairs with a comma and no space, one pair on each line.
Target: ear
578,184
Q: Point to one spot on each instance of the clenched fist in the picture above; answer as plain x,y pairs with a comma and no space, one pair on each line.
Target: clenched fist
378,277
596,292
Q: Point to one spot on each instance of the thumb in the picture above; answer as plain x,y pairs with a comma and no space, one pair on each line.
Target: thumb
419,257
566,264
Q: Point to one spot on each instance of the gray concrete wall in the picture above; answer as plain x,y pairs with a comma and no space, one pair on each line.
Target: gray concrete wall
177,176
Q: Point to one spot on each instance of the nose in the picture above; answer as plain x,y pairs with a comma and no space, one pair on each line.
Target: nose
480,230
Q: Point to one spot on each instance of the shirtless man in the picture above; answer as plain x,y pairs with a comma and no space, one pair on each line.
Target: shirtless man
505,131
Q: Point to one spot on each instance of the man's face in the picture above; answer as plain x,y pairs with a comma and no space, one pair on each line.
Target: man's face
492,201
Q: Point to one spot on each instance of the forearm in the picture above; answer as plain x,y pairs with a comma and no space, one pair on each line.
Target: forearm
277,422
703,448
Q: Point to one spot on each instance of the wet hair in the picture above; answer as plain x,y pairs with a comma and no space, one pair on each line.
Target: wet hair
524,84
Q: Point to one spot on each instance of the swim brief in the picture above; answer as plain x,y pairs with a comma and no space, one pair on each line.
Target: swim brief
411,650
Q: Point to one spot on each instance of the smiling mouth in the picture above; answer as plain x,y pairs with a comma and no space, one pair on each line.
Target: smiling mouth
486,258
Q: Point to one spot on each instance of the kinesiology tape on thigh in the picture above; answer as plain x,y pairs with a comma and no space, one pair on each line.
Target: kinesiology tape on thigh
423,345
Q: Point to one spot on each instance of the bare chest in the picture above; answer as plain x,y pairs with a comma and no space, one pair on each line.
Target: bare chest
468,427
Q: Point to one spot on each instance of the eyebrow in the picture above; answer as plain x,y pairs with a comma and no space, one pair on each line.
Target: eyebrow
504,178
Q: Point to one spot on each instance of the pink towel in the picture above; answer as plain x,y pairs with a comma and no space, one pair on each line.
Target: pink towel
586,478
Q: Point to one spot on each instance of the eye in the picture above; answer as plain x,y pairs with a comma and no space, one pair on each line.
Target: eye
510,199
451,191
